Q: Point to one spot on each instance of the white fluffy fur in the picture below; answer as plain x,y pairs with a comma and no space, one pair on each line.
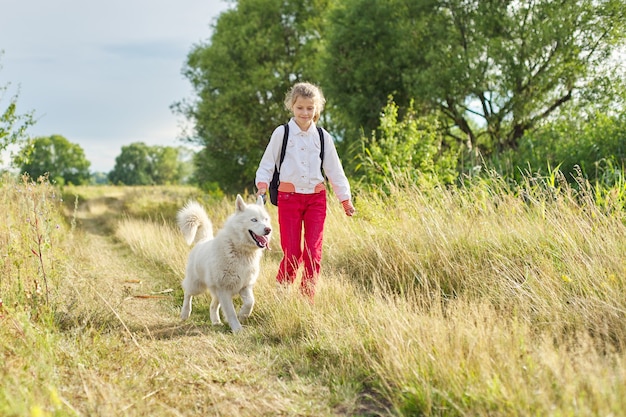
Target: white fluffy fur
227,264
194,223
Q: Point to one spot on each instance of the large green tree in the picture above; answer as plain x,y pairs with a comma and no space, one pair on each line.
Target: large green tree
63,161
492,69
141,164
257,51
370,47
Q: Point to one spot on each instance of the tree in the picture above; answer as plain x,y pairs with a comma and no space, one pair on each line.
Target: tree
99,178
492,69
166,167
12,124
368,51
132,166
64,162
140,164
257,51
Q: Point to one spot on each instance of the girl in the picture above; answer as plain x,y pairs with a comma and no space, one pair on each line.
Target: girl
301,193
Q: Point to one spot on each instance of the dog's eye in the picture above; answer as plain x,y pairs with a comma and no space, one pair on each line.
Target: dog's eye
254,219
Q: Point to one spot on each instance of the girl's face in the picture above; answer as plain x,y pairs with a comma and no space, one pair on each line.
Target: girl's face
303,111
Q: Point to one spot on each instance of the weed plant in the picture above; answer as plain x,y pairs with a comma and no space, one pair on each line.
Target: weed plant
29,234
32,242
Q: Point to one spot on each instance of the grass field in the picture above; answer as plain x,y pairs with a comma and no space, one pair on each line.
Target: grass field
478,300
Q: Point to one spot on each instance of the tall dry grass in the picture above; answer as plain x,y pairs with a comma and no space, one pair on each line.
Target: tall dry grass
33,239
495,301
478,300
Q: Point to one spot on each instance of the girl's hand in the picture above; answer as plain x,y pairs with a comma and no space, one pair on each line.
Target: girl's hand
262,188
348,208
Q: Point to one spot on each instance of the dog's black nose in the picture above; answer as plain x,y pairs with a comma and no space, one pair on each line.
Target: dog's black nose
268,230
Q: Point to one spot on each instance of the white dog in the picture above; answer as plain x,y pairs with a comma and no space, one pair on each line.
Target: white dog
228,264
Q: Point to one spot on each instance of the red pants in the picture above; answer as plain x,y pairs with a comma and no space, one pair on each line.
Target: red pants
298,212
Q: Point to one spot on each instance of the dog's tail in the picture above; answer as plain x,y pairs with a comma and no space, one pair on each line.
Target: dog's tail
194,223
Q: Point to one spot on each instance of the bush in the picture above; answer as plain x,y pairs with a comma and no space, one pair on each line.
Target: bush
596,145
411,148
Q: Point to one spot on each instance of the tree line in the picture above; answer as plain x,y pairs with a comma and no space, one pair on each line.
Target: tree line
64,162
433,90
437,86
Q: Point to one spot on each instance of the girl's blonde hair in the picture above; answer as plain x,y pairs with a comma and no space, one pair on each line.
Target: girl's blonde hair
306,90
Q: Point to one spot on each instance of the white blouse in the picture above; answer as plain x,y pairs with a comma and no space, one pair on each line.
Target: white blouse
301,165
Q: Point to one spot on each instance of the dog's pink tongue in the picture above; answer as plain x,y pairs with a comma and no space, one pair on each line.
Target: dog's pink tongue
264,241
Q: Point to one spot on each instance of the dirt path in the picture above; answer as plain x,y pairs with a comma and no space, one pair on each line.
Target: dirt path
127,286
165,366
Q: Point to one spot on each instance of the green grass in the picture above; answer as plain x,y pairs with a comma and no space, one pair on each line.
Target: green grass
478,300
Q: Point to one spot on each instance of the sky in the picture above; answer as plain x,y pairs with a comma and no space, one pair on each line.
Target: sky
102,74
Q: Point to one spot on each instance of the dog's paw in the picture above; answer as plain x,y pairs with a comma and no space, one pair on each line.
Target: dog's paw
235,326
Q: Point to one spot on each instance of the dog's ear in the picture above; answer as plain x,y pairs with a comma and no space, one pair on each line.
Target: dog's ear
240,205
260,201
